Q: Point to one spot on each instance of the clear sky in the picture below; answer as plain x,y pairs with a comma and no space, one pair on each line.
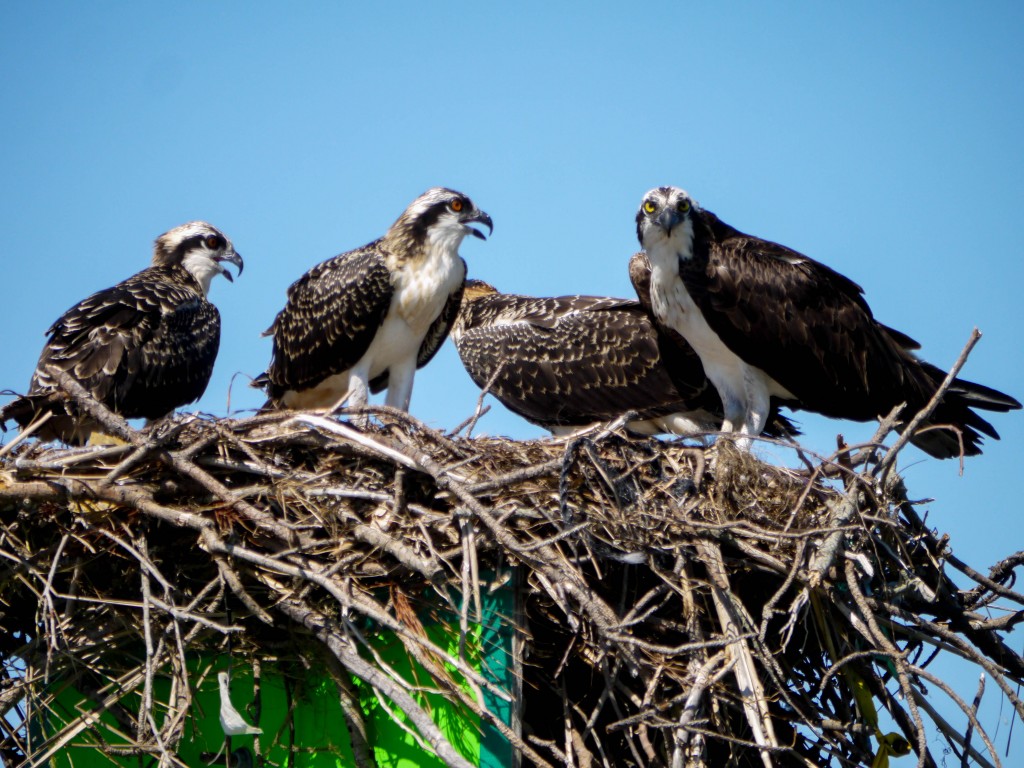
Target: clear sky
883,139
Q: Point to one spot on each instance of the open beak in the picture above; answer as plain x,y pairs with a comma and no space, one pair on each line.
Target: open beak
480,218
233,258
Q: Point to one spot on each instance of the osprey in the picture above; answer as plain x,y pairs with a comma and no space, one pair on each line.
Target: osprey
143,347
770,323
367,319
567,362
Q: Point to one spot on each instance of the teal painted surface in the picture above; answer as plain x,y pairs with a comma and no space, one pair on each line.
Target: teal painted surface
498,665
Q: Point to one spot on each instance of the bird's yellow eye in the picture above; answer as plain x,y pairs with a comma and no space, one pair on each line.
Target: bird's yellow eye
649,206
683,205
456,205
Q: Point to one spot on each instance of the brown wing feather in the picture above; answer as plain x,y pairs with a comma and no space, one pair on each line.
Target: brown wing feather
566,361
329,319
142,348
810,329
804,324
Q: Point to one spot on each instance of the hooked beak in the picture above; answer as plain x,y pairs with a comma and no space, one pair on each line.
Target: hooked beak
481,218
668,219
233,258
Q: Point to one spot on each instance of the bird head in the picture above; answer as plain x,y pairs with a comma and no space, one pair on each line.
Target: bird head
477,289
439,216
200,248
666,217
474,293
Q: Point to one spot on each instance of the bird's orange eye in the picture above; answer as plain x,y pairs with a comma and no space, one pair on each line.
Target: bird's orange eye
649,206
212,242
683,206
456,205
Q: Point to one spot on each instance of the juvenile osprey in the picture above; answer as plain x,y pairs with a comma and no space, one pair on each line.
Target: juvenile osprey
367,319
567,362
144,346
769,322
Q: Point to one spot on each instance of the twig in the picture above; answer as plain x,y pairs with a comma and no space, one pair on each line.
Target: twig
881,470
343,651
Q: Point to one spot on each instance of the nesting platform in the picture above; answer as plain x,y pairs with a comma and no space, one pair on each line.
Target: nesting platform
388,591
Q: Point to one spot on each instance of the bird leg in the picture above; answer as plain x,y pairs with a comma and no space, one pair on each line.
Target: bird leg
400,377
745,412
357,395
733,413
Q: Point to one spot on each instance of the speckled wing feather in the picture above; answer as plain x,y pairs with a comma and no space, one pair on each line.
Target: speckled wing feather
566,361
142,348
329,319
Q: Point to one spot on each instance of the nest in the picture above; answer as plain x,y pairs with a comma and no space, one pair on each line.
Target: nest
674,605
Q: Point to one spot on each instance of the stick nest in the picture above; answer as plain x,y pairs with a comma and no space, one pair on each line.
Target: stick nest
676,605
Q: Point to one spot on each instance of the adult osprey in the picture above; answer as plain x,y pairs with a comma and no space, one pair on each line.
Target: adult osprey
567,362
769,322
367,319
143,347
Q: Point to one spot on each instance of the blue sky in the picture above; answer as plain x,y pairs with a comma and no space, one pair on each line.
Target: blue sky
881,139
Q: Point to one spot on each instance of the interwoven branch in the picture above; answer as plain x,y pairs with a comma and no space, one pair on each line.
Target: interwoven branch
665,607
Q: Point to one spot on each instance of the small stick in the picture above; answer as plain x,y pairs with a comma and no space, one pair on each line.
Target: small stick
881,471
28,431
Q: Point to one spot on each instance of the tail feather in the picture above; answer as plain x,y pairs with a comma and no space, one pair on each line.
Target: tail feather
23,409
957,411
65,424
977,395
269,406
986,398
780,426
939,441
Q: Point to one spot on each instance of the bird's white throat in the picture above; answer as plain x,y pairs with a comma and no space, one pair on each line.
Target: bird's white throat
447,235
668,248
202,268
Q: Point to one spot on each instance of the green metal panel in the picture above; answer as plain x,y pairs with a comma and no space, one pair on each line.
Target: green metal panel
315,734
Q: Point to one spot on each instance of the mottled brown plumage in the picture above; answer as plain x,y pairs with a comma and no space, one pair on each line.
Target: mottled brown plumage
358,321
316,335
142,347
766,319
570,361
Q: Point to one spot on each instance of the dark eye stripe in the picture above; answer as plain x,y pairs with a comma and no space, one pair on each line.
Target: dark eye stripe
196,241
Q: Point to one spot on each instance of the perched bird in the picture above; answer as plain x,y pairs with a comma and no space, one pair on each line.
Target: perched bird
143,347
230,719
367,319
567,362
770,323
